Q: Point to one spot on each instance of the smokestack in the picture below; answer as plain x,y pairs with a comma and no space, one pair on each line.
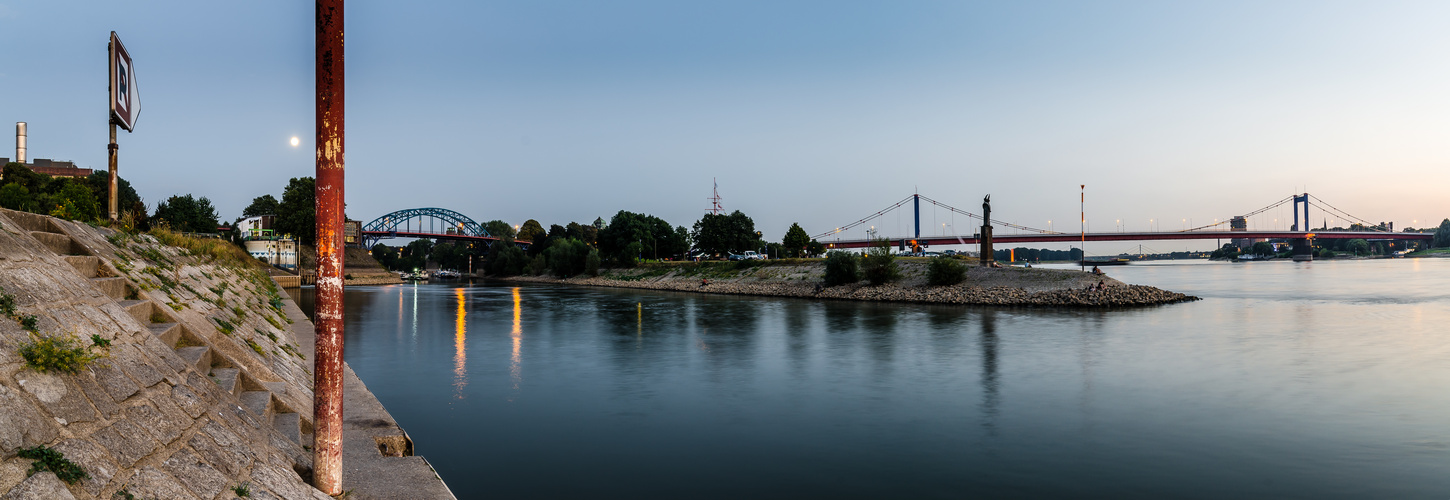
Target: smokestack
20,142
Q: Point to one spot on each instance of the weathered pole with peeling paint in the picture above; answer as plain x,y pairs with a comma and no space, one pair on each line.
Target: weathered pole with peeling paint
327,367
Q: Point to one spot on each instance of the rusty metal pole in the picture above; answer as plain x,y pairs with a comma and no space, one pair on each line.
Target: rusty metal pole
327,368
111,164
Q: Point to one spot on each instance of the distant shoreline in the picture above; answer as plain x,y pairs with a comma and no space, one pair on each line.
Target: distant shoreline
1006,286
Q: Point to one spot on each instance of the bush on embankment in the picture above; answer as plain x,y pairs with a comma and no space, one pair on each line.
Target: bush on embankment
841,268
945,270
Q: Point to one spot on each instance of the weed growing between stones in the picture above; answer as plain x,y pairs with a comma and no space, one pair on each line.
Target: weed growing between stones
185,341
257,348
30,322
224,326
98,341
125,495
157,317
275,323
7,304
243,490
47,459
58,354
175,306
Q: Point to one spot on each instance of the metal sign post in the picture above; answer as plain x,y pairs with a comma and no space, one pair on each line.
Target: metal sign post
327,367
125,106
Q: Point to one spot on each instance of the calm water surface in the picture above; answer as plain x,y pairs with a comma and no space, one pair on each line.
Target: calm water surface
1316,380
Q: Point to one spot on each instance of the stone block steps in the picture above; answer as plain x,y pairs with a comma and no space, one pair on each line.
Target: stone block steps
139,309
87,265
115,288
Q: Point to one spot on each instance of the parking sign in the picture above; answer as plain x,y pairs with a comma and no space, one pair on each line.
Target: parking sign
125,99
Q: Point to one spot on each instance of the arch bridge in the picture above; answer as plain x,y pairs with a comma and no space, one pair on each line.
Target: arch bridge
432,223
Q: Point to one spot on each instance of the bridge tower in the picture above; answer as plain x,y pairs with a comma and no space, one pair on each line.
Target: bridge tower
916,208
1301,198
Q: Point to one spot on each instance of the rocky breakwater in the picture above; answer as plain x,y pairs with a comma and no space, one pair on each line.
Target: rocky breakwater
146,366
1009,286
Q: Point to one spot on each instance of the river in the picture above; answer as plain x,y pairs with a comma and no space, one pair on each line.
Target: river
1289,380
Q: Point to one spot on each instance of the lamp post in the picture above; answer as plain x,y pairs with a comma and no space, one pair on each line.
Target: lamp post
1082,211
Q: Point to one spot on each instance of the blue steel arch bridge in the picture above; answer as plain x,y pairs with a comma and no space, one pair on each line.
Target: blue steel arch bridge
432,223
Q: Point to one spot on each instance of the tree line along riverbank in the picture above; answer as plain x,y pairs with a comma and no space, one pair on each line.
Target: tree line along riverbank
981,285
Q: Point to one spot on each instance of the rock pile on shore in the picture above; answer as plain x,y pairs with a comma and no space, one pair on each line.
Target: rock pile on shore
983,286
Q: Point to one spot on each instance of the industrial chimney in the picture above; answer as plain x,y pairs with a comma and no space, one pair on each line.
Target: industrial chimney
20,142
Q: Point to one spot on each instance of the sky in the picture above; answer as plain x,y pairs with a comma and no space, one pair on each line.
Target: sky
810,112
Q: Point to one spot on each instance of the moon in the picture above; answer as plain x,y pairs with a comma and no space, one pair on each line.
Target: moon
295,141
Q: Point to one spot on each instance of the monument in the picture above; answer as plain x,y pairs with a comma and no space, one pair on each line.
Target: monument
986,240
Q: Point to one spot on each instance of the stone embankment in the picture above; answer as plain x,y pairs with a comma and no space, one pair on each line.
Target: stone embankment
202,389
1008,286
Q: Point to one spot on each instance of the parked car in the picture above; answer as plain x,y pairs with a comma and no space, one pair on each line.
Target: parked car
736,256
752,255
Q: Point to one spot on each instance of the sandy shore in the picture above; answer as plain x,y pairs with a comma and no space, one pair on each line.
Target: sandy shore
802,278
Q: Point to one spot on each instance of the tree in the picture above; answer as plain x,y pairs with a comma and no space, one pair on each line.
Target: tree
531,231
1228,251
1262,248
505,258
14,196
568,257
449,255
386,255
716,233
1442,235
297,213
499,229
795,241
815,248
630,235
80,203
841,268
879,264
262,205
126,197
187,214
1357,246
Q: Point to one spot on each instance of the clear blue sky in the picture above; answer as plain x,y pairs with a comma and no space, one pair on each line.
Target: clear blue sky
816,112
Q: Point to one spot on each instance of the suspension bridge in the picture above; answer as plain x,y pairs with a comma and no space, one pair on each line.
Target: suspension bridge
1228,228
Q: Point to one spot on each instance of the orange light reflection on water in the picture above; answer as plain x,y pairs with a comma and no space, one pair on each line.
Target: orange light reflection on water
460,353
517,334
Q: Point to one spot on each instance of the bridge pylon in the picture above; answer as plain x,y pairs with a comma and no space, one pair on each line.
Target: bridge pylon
1301,198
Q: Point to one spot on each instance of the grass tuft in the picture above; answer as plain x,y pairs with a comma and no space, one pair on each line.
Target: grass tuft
47,459
57,354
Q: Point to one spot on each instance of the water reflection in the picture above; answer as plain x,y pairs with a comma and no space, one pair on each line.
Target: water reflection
517,335
460,340
988,339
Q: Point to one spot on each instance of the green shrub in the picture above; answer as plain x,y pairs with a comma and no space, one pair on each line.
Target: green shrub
879,264
224,325
47,459
7,304
841,268
30,322
98,341
945,270
591,262
57,354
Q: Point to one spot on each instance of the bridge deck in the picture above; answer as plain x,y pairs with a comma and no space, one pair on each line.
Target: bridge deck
1142,236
